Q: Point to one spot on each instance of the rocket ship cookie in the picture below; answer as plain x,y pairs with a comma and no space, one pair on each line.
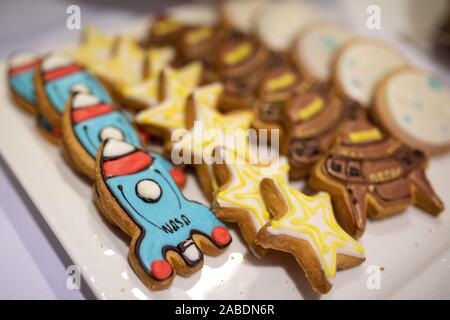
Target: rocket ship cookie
87,122
21,67
169,233
55,77
368,173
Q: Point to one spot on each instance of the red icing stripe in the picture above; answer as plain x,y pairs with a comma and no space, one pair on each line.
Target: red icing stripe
86,113
178,176
129,164
61,72
23,68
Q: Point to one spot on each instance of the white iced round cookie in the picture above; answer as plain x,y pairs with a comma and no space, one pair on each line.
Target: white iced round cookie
315,48
361,64
414,106
193,14
148,190
278,22
240,14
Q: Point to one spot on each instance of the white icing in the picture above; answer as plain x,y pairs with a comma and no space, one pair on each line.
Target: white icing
420,105
116,148
192,253
111,133
149,190
80,87
240,14
278,22
194,14
82,100
55,61
22,58
360,67
317,47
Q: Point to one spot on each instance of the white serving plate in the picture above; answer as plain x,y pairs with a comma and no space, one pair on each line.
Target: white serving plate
413,248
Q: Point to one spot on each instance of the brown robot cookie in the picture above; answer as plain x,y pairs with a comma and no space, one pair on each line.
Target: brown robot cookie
369,173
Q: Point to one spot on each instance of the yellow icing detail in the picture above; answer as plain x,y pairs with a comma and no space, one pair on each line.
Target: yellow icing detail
315,223
238,54
311,109
165,26
179,84
96,46
283,81
385,175
243,191
198,35
365,135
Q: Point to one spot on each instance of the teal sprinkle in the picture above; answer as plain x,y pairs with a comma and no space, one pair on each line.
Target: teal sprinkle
418,105
329,43
435,83
356,83
444,129
407,118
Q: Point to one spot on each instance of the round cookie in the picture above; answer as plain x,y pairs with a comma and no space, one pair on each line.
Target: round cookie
314,49
240,15
414,106
360,64
278,22
21,66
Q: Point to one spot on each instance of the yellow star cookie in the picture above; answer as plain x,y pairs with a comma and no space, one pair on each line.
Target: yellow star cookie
95,46
147,91
178,85
301,219
238,200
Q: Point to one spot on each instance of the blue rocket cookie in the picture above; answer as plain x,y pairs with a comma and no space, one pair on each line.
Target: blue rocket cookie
55,78
88,121
168,231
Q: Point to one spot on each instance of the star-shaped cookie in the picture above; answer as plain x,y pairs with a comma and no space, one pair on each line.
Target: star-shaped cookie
238,199
305,227
168,115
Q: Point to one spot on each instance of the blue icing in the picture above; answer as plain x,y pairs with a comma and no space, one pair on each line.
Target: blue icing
155,218
59,90
88,132
434,83
23,85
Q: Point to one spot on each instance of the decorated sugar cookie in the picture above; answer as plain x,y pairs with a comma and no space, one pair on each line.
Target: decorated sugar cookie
315,48
240,63
169,233
369,173
87,122
175,88
95,47
238,198
50,133
145,93
275,90
208,129
278,22
55,78
306,228
311,120
239,15
360,64
21,67
414,106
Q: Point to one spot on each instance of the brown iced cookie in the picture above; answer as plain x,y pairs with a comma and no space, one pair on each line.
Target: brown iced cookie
311,121
240,63
368,173
164,31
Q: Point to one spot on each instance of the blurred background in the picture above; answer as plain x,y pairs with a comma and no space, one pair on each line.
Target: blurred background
421,28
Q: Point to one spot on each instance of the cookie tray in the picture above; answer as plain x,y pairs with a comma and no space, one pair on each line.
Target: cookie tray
408,256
